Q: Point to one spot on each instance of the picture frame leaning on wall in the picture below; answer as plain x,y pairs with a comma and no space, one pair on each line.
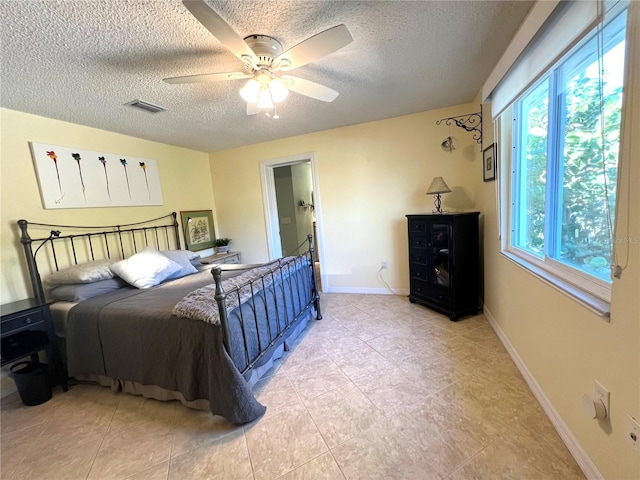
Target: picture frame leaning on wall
197,227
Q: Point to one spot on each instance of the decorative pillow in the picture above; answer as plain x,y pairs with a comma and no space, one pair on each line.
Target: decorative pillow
182,258
78,292
182,253
146,268
82,273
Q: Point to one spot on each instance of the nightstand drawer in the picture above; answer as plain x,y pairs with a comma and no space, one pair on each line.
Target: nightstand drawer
232,259
21,321
218,258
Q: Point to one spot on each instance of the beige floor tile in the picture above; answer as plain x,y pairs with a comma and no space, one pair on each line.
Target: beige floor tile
159,472
362,361
323,467
395,349
368,326
63,463
227,458
342,414
123,454
439,370
314,381
520,456
15,416
393,390
382,452
16,447
327,328
277,394
283,442
341,345
134,410
197,428
83,416
302,354
448,439
422,398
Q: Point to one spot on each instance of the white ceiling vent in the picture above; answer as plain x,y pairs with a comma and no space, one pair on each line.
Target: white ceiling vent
146,106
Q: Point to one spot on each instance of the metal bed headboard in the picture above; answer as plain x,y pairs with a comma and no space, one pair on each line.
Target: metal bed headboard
95,243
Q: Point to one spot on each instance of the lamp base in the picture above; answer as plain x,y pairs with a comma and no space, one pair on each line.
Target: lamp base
438,205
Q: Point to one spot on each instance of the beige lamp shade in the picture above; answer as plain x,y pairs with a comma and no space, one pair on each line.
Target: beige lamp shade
438,185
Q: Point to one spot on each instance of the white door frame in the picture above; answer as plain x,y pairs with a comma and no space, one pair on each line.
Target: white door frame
271,207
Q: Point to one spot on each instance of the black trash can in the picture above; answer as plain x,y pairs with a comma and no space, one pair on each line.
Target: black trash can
32,381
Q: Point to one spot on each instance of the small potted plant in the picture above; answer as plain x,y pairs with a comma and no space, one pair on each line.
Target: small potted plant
222,245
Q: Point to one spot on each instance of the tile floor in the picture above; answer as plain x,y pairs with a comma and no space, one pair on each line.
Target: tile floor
379,389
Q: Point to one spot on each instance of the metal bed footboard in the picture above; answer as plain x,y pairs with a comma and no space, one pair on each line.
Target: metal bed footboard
278,300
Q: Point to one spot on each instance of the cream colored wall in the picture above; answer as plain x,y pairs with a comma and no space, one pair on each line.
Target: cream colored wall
184,177
370,176
567,347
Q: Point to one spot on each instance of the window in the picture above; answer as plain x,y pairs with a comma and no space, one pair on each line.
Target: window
564,164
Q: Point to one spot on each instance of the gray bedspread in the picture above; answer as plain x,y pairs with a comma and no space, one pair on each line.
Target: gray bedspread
132,335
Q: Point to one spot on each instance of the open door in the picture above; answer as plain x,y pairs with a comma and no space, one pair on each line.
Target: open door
292,205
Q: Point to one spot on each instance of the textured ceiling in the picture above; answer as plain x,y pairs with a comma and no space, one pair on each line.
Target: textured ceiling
80,61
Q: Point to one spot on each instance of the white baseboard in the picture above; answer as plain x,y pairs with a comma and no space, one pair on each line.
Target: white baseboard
588,467
372,291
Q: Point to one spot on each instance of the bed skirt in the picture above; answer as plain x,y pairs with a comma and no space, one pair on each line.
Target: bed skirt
164,395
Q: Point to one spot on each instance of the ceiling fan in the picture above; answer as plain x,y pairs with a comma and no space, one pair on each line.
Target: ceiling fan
264,60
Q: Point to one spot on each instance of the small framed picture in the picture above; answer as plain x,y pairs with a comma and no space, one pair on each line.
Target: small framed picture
198,229
489,163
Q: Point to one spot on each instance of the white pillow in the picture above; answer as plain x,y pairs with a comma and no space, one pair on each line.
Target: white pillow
82,273
146,268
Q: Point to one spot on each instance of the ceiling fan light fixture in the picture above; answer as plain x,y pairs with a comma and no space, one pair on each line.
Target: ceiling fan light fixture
265,101
278,91
250,91
263,57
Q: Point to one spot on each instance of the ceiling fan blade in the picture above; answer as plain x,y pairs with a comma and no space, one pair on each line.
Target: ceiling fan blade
220,29
252,108
309,88
208,77
315,47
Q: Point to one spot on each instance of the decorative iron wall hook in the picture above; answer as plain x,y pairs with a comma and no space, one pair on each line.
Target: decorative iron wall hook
471,122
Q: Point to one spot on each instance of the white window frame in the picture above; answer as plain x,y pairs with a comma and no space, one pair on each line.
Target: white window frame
587,289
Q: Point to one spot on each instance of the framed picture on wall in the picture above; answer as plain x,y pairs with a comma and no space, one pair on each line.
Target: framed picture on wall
489,163
198,231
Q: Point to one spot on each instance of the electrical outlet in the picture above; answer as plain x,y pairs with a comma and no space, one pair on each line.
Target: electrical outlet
632,433
604,395
384,265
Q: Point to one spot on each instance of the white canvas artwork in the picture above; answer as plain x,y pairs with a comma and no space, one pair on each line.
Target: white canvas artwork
76,178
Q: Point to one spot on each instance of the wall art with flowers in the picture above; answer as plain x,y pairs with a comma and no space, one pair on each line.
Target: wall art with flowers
78,178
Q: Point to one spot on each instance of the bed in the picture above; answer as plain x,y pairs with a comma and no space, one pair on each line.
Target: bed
204,337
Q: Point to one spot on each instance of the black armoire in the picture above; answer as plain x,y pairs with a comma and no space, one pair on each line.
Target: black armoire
444,262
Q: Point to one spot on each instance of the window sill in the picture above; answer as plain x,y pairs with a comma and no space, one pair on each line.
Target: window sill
596,305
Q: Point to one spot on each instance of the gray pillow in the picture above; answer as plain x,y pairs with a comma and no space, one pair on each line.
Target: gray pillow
83,291
82,273
188,254
182,258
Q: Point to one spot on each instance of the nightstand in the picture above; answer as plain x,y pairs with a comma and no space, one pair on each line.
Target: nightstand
231,257
25,330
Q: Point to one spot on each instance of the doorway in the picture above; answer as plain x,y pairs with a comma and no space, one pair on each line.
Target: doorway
292,205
